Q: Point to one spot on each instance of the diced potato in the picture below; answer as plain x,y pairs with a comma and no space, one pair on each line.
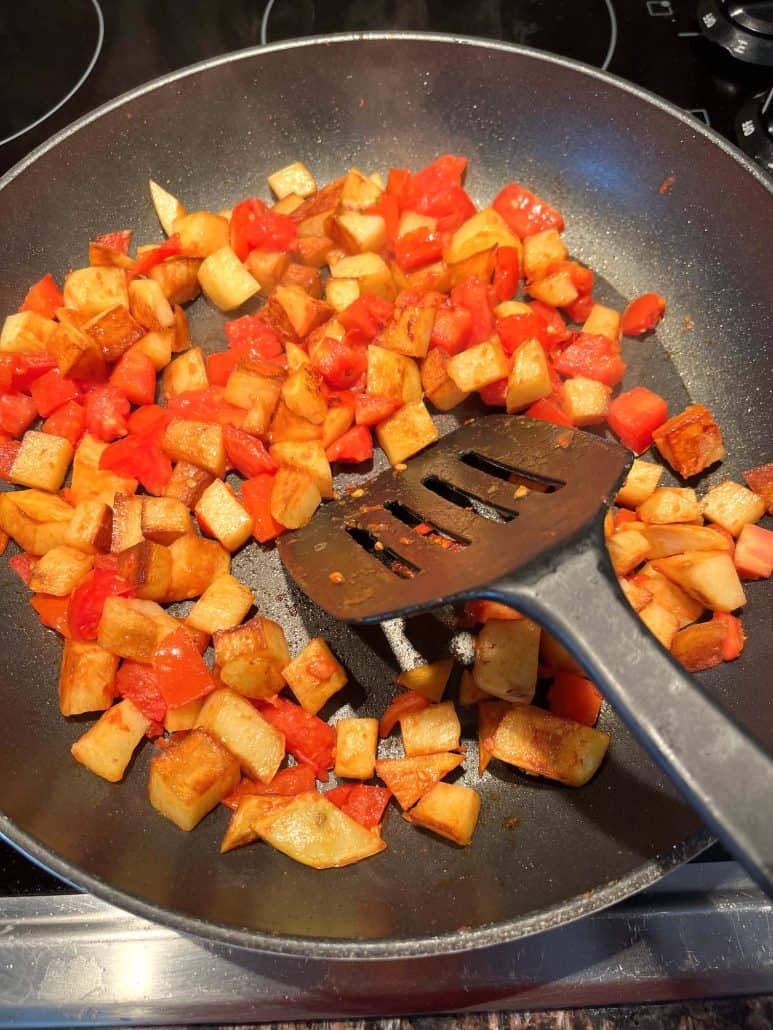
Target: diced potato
104,254
603,321
86,678
556,289
314,675
662,623
359,233
690,441
200,443
243,827
337,422
287,204
359,192
178,279
407,432
149,306
556,656
202,233
26,331
484,230
663,541
636,595
267,267
708,576
670,504
91,290
469,692
640,483
313,831
732,506
302,394
409,331
627,550
490,714
223,604
187,484
512,307
476,367
42,506
307,279
371,272
544,744
669,595
506,659
127,522
59,571
196,562
437,276
390,374
586,401
42,461
258,638
409,778
355,753
164,519
230,718
245,388
699,647
428,680
540,250
529,378
760,480
309,457
107,747
225,280
304,312
186,372
294,498
184,717
340,293
76,353
440,389
24,528
448,809
90,528
168,207
295,178
114,331
222,515
158,346
286,427
254,677
189,778
132,628
147,566
431,730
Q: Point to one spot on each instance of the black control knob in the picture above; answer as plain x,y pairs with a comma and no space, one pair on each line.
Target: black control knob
754,129
743,27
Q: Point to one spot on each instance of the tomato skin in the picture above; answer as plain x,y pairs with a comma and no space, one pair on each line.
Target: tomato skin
149,420
574,697
134,375
515,330
246,453
253,225
23,564
52,612
507,272
17,413
116,240
51,391
473,295
107,413
361,802
353,447
9,449
309,739
402,705
181,673
419,247
220,365
19,371
555,328
643,314
44,297
141,458
494,394
525,212
451,329
296,779
593,356
547,410
753,555
634,416
250,336
339,363
370,409
368,315
138,682
256,497
171,247
579,309
88,599
389,209
735,638
68,421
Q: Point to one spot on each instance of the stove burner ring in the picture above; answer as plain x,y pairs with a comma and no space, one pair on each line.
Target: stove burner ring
604,66
74,89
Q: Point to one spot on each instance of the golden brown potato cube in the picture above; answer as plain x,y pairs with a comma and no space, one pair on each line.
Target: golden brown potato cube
663,541
690,441
313,250
410,221
186,485
164,519
288,204
544,744
506,659
26,331
108,256
107,747
469,692
603,321
529,378
243,827
407,432
295,178
431,730
42,506
302,394
285,426
440,389
239,726
428,680
337,422
409,331
541,250
178,279
732,506
267,267
409,778
340,293
699,647
760,480
662,623
223,604
640,483
490,714
225,280
484,230
668,595
184,717
556,656
449,809
18,526
304,312
476,367
168,207
222,515
314,675
371,272
258,638
355,750
556,289
42,461
90,528
636,595
307,456
200,443
202,233
86,678
358,191
245,388
294,498
149,306
114,331
91,290
189,778
708,576
132,628
390,374
59,571
186,372
359,233
586,401
89,481
76,354
158,346
48,535
627,550
147,566
670,504
195,563
127,522
253,677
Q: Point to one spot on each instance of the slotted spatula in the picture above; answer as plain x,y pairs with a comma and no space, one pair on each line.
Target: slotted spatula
511,509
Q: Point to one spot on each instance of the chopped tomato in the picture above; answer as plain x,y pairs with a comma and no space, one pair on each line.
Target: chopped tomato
494,394
307,737
363,803
593,356
623,515
437,191
368,314
68,421
402,705
517,329
23,564
574,697
19,371
734,639
507,272
246,453
753,555
52,612
88,599
9,450
473,295
149,420
45,297
17,413
643,314
397,183
250,337
555,327
582,277
635,415
525,212
256,497
296,779
339,363
220,365
169,248
547,410
370,408
353,447
389,210
451,329
181,673
206,406
107,412
141,458
253,225
579,309
116,240
134,376
138,682
419,247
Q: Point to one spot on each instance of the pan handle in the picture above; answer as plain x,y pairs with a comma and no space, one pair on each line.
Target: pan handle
720,770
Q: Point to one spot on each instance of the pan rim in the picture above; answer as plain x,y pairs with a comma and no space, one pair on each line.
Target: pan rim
342,949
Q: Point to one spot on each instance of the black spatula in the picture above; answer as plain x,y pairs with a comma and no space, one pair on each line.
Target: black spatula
511,509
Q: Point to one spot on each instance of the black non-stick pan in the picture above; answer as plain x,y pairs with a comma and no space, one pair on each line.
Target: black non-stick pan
599,150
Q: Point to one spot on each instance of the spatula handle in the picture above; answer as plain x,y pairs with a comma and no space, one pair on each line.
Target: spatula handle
720,770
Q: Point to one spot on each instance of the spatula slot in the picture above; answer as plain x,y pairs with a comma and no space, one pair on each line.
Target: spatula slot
426,528
510,473
390,559
468,501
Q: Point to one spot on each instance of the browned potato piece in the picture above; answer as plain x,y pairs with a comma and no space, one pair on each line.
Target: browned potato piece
541,250
200,443
90,481
188,482
184,717
186,372
114,331
202,233
663,541
586,401
91,290
409,778
267,267
699,647
195,563
147,566
107,747
448,809
254,677
26,331
431,730
708,576
393,375
86,678
127,522
490,714
409,332
481,232
355,752
158,346
90,528
306,456
690,441
294,498
230,718
168,207
640,483
627,550
302,394
223,605
477,366
178,279
315,675
442,392
258,638
243,827
132,628
428,680
732,506
42,461
668,504
506,659
662,623
59,571
149,306
221,514
225,280
529,379
164,519
469,692
189,778
407,432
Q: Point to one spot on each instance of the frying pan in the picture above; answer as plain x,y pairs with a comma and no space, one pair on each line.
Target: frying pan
597,148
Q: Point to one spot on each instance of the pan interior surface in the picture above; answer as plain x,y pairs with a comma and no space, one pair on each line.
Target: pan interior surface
599,153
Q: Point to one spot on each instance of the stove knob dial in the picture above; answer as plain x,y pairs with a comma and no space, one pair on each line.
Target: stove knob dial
743,27
754,129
